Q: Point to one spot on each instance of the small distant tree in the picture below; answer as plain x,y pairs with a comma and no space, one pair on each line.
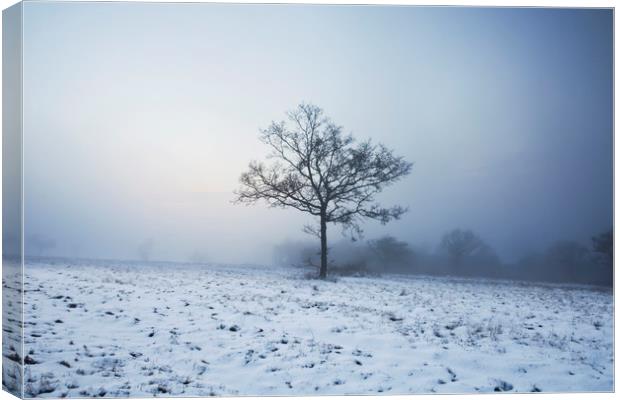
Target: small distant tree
391,253
459,244
603,245
145,249
321,171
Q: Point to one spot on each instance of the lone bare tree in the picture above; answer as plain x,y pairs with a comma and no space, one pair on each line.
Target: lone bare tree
323,172
459,244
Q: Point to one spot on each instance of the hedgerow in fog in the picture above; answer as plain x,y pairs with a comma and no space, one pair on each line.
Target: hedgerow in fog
562,261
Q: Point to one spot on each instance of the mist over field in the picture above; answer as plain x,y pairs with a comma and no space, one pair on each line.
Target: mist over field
139,134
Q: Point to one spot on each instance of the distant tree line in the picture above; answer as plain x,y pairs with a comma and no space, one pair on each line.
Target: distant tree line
460,252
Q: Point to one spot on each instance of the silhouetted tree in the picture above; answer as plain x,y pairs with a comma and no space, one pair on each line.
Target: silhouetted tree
603,244
459,244
392,254
323,172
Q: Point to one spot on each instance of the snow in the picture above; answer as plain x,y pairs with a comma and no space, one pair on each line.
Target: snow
114,329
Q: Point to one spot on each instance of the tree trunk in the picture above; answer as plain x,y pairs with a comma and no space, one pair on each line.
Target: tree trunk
323,271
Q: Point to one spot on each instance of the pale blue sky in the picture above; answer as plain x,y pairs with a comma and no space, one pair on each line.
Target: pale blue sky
139,118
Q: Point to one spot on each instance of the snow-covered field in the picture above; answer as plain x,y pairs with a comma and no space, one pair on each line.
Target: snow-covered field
142,330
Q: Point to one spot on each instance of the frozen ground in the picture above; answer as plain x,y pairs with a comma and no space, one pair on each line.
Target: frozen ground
114,330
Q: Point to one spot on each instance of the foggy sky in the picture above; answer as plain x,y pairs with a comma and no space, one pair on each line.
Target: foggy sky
140,117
